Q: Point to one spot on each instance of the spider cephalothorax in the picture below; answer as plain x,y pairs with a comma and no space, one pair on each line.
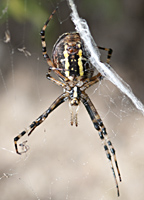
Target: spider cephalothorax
70,62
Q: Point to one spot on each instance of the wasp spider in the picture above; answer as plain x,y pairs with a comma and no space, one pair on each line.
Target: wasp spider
71,64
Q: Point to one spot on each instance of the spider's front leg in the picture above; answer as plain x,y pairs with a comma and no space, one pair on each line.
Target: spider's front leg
62,98
99,126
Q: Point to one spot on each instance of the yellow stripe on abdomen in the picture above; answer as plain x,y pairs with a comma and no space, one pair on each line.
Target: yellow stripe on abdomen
80,64
66,55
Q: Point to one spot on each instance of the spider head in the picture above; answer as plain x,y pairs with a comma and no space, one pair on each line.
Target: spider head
75,96
74,102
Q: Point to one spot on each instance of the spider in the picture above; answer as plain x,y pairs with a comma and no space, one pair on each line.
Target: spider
70,62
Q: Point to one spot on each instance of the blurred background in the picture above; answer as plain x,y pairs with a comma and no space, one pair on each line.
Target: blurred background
66,162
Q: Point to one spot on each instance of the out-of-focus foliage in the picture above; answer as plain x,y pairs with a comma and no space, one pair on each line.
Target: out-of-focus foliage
21,10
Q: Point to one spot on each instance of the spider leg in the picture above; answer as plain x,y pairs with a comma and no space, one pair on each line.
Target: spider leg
44,50
62,98
57,82
109,50
91,81
99,126
45,54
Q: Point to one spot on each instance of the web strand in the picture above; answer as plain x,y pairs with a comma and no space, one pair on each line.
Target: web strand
105,69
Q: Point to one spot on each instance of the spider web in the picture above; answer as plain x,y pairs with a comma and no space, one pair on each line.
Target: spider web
66,162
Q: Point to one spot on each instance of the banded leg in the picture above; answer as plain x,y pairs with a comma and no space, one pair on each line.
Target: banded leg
99,76
99,126
57,82
89,82
109,50
44,50
62,98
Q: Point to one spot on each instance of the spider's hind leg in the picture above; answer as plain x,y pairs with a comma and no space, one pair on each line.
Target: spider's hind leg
44,50
109,50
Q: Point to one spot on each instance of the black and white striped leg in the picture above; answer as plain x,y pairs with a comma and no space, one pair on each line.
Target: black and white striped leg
109,50
93,80
44,50
62,98
99,126
57,82
42,33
